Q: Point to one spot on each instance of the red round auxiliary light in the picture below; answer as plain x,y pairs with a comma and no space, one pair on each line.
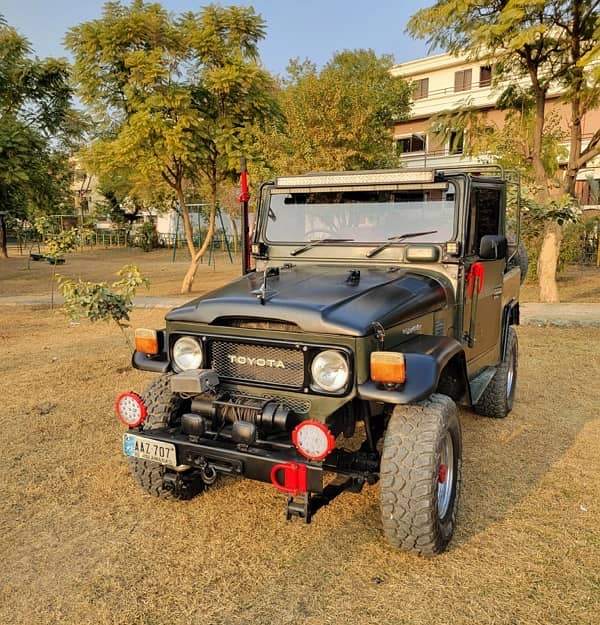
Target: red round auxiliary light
131,409
313,439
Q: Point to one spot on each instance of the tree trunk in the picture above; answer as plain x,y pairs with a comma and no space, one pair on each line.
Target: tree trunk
548,258
187,223
574,148
188,280
3,244
548,261
537,161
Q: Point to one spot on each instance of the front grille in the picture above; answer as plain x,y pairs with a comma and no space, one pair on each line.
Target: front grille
247,362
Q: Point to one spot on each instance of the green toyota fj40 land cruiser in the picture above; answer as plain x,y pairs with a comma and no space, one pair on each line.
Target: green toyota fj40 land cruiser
380,299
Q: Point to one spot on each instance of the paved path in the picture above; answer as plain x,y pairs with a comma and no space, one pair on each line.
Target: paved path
561,315
45,300
583,315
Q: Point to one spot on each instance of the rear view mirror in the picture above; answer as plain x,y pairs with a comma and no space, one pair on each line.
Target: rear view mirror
493,247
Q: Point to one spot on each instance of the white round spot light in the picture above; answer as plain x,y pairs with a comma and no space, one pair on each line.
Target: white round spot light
187,354
313,439
330,371
131,409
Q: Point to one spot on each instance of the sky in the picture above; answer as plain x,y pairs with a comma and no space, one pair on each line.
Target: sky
312,29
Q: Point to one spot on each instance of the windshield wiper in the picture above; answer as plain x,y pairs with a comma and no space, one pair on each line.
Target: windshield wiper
316,242
395,239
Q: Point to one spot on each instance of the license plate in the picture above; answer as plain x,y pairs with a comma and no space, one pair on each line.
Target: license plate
148,449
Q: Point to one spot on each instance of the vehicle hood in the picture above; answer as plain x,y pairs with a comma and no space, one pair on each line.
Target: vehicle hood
320,299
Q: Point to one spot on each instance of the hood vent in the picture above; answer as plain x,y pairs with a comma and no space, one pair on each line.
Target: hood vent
257,324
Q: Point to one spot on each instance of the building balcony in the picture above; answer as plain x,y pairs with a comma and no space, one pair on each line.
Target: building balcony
442,158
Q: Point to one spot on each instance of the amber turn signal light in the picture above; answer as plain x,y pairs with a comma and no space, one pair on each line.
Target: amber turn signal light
146,341
388,367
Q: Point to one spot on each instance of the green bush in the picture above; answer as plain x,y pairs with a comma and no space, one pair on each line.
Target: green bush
99,301
59,244
146,237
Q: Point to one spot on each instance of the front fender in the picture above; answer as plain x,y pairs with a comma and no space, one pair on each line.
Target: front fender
425,358
156,364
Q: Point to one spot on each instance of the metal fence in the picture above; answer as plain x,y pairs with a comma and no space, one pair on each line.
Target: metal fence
27,241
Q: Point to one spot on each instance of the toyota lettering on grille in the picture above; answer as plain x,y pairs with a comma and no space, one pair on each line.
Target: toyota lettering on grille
255,362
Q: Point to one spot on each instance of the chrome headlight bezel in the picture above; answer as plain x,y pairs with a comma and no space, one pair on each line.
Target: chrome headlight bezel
332,363
187,354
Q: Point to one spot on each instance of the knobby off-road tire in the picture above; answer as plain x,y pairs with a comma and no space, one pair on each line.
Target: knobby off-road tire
421,468
497,399
164,408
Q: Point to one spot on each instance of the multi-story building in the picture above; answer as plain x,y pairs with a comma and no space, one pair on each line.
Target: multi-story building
444,82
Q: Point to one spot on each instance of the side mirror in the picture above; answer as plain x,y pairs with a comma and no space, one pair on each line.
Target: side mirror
493,247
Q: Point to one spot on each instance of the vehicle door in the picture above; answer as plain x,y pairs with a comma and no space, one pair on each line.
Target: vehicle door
484,271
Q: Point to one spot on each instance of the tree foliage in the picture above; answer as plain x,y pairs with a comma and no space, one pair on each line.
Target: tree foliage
542,43
179,98
37,127
339,118
99,301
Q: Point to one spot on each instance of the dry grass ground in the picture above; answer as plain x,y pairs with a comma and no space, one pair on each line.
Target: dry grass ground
577,283
81,544
19,276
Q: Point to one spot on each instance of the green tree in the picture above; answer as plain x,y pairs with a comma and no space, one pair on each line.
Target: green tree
546,42
338,118
180,98
35,122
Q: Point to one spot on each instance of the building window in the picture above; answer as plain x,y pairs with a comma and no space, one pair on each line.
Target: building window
414,143
462,80
485,75
456,142
420,89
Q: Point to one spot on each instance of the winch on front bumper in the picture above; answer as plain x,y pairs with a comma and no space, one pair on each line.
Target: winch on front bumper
251,439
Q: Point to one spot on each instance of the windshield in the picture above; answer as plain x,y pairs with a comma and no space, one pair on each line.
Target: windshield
361,216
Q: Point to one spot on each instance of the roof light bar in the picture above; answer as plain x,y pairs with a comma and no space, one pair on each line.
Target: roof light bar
392,176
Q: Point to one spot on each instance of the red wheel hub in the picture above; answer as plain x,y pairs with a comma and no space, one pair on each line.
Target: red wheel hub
442,473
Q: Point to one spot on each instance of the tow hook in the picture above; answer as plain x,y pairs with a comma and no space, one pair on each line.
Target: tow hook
294,478
306,506
208,474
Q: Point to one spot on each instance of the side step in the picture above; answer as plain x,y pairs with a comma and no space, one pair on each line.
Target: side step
480,382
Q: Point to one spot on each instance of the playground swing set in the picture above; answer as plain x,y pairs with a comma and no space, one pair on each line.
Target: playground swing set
212,248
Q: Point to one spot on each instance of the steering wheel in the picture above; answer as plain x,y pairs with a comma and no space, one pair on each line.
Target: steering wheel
326,233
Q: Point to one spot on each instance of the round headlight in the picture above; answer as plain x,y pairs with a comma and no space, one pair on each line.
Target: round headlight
330,371
187,354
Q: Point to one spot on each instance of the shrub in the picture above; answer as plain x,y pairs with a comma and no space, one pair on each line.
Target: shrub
99,301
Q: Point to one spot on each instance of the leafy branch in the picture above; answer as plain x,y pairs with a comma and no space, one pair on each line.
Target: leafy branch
99,301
